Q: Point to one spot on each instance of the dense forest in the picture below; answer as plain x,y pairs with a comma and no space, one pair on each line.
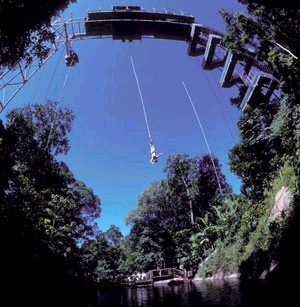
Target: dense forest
191,219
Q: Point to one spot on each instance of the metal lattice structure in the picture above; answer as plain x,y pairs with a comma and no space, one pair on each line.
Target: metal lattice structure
13,80
129,23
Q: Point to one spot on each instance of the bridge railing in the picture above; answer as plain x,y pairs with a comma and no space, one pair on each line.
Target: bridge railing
165,273
135,24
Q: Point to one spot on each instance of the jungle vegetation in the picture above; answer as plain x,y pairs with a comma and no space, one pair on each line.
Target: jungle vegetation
188,220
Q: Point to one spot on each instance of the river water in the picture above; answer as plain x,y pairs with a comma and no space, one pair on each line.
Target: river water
225,293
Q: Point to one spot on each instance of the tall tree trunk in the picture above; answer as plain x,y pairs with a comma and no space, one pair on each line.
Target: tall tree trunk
189,202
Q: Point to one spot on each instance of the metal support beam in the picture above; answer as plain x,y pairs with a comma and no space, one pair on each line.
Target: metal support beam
254,93
228,70
13,80
195,40
132,22
210,49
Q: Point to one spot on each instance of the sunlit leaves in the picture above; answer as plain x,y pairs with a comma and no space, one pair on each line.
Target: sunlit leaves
114,235
273,32
42,205
168,213
100,259
46,124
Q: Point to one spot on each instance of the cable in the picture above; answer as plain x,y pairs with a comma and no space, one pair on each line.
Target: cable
38,83
59,99
206,142
220,104
53,74
280,46
142,100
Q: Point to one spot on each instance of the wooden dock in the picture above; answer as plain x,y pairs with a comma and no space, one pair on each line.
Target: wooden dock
160,275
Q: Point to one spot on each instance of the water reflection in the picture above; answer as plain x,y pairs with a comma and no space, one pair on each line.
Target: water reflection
220,292
217,293
139,296
206,293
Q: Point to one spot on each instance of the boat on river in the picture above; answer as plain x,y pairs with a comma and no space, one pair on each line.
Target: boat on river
175,281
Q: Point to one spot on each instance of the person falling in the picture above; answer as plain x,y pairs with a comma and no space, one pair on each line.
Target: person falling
154,155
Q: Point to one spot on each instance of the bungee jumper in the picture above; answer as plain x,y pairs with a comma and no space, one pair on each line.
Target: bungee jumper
154,155
71,58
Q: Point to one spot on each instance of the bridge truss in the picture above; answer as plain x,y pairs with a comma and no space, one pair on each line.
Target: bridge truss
128,23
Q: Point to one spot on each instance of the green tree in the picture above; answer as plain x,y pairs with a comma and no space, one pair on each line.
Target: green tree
114,235
149,242
257,157
198,183
167,213
44,209
25,29
273,34
6,160
100,260
269,140
46,188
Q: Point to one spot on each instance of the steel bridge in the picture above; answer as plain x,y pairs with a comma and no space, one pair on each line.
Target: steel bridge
128,23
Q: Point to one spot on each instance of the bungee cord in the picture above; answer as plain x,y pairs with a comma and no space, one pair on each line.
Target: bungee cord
59,99
229,123
211,85
53,74
205,139
154,155
142,100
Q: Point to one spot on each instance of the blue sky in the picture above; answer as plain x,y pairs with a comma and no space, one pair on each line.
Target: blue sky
109,141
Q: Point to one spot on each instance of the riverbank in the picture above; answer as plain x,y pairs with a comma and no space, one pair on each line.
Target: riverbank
217,277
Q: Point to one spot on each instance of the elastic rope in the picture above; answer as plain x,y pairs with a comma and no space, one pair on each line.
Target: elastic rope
142,100
59,99
200,125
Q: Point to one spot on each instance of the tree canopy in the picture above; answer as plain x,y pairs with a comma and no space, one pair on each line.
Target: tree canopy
170,211
191,219
44,211
273,34
25,29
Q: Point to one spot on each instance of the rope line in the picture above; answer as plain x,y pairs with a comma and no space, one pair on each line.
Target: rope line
59,99
142,100
220,104
213,86
53,74
64,84
205,139
38,83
